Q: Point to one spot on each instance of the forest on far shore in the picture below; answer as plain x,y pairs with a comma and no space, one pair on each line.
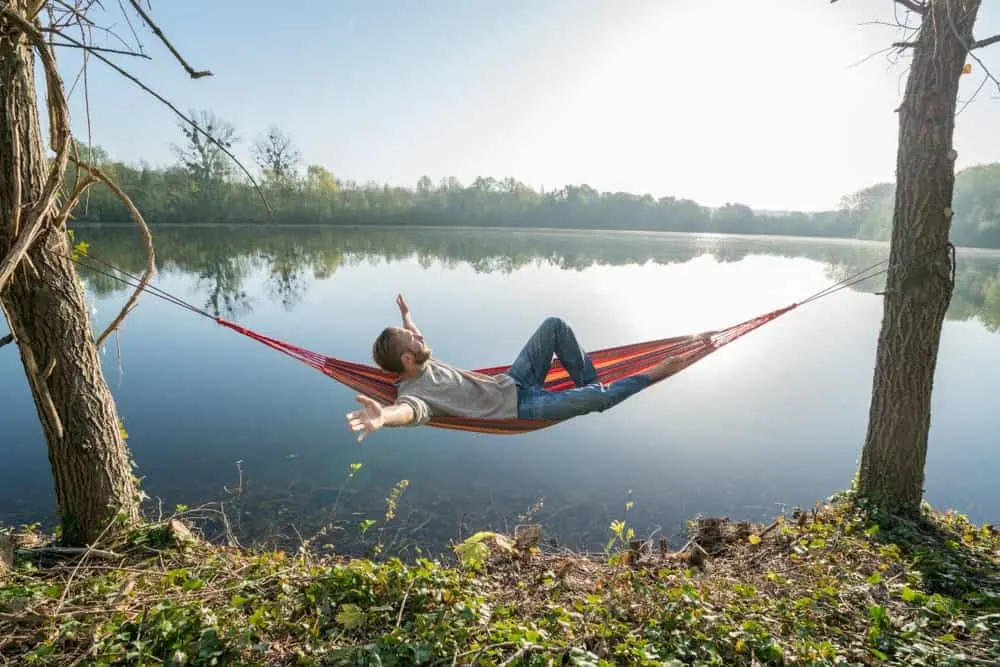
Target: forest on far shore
204,185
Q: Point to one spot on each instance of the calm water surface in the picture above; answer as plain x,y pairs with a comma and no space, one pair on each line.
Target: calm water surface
776,419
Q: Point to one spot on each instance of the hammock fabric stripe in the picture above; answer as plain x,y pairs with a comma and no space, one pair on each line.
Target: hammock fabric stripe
614,363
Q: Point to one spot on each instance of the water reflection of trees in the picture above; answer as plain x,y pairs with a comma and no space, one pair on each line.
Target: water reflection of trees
289,258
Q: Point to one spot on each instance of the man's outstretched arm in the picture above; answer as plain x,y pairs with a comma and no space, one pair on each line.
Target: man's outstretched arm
398,414
404,311
372,416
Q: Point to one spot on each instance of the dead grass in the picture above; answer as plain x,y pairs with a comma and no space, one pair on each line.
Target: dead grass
822,587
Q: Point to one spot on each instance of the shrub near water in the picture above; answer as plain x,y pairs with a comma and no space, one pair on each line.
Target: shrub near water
824,588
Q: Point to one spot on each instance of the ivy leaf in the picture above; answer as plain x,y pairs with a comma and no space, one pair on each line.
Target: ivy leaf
472,553
351,616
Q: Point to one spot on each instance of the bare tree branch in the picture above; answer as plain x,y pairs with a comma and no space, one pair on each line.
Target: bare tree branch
872,55
909,44
969,47
163,38
101,49
72,11
972,99
889,24
913,6
181,115
128,22
906,32
980,43
79,189
986,70
7,340
75,17
147,239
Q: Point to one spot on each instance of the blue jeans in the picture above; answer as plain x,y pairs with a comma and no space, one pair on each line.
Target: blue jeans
528,371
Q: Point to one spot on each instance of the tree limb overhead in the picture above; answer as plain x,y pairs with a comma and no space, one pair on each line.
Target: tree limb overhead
913,5
179,113
980,43
194,74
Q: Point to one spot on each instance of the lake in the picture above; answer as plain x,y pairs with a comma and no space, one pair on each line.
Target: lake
772,421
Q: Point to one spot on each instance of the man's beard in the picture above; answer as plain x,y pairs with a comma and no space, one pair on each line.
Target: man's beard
422,355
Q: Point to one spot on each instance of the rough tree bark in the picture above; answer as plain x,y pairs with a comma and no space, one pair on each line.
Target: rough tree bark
47,312
919,282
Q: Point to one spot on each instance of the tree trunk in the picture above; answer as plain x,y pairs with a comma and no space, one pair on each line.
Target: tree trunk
47,313
919,281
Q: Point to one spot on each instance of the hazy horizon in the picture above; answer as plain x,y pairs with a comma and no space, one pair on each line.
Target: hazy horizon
717,102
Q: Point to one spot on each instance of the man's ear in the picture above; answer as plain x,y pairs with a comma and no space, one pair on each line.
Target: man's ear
407,359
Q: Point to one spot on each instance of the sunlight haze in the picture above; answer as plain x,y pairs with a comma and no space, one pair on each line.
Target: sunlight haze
761,103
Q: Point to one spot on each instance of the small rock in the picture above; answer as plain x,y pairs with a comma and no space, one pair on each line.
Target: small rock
181,533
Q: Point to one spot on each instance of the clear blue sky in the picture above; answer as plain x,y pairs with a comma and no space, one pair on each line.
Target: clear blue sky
715,100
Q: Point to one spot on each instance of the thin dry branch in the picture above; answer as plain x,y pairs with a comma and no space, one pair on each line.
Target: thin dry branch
102,49
970,45
34,375
64,552
73,16
181,115
79,188
71,11
972,98
7,340
128,22
194,74
906,31
147,239
872,55
90,549
59,115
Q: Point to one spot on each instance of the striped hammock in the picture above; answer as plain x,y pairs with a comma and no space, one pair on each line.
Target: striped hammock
612,364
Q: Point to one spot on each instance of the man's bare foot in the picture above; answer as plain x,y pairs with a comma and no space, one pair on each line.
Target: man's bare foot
705,337
665,368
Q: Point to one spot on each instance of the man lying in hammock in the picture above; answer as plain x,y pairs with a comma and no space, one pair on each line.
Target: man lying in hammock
428,387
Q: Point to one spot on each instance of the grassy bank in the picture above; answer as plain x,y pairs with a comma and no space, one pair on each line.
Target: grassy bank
820,587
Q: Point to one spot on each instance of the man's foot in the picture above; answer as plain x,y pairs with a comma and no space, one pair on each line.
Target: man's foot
705,337
665,368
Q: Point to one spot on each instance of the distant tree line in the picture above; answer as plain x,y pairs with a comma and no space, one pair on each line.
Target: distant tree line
205,186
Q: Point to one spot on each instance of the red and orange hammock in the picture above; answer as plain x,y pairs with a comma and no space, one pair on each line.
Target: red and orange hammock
612,364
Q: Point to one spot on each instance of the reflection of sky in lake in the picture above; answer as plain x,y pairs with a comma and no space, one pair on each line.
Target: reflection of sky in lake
778,417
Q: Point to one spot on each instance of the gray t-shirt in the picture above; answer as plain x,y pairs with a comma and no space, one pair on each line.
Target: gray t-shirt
441,390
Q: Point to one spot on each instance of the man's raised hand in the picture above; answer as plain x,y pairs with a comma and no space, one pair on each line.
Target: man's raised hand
369,418
404,310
